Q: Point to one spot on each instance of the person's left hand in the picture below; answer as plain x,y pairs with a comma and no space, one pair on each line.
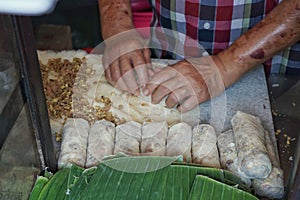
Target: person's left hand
188,82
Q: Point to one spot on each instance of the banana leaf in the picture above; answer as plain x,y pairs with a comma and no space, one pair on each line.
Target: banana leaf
74,174
56,187
110,183
80,184
185,175
39,184
181,178
143,178
205,188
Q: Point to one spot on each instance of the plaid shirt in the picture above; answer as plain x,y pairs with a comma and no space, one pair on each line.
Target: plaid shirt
185,28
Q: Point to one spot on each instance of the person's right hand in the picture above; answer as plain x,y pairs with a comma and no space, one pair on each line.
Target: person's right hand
127,62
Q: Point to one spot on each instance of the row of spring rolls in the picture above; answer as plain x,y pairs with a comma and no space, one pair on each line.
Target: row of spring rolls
88,146
248,151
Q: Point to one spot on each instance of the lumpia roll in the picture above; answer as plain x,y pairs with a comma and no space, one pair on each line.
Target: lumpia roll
128,138
273,186
101,142
154,137
249,138
228,155
74,143
204,146
179,141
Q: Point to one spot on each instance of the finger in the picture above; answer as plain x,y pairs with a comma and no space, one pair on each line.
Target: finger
164,75
108,75
106,68
189,104
128,75
147,55
115,70
147,58
164,89
152,71
177,96
121,85
157,69
140,67
116,76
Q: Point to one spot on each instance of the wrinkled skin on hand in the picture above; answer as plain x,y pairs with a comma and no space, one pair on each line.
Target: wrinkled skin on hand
127,62
188,83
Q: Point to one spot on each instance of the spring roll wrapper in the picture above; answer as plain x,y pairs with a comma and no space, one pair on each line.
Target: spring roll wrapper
128,138
228,155
273,186
101,142
74,143
179,141
249,138
154,137
204,146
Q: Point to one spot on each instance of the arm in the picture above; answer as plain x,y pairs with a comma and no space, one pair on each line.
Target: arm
116,17
279,30
196,80
126,53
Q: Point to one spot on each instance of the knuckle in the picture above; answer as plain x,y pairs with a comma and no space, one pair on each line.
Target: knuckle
173,97
139,60
185,91
115,76
163,90
141,68
124,70
147,52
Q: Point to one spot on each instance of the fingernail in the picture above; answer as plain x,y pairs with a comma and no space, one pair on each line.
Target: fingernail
137,92
146,92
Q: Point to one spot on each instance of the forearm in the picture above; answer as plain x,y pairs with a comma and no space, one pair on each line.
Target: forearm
277,31
116,17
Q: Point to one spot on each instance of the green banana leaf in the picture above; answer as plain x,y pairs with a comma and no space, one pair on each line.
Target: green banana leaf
40,182
55,186
74,174
185,175
80,184
109,183
143,178
205,188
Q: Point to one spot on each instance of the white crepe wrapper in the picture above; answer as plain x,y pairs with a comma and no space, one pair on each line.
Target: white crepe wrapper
249,138
154,137
228,155
204,146
179,141
128,138
272,186
74,143
101,142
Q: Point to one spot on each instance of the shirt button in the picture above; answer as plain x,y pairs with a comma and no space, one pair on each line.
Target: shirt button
206,25
205,53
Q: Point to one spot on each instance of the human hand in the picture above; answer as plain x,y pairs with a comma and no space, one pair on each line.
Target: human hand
188,82
127,62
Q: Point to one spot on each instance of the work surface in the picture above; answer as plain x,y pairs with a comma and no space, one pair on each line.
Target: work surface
250,95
